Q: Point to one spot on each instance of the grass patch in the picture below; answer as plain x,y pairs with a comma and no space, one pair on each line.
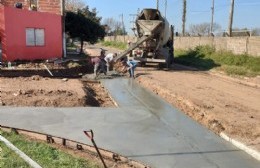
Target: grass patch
236,70
205,58
8,158
114,44
71,47
42,153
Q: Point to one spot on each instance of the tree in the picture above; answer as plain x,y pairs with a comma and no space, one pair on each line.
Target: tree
73,5
110,24
92,15
184,17
203,29
255,32
77,25
114,27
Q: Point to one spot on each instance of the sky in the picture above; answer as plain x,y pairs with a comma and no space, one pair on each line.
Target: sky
246,12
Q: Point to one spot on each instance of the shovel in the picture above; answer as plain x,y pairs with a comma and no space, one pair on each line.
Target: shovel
90,135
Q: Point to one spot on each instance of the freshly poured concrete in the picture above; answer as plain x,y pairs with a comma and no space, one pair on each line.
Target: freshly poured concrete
144,128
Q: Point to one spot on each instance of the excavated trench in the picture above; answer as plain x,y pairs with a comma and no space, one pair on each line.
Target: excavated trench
34,86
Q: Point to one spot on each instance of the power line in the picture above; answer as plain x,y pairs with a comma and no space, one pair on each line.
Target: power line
200,11
221,6
248,4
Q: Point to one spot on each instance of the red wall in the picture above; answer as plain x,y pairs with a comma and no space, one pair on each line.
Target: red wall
17,20
2,29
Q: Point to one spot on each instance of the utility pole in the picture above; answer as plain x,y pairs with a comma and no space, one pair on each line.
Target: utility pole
212,17
231,18
166,5
184,17
123,25
157,5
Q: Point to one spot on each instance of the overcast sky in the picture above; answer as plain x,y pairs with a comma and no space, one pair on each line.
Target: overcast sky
246,14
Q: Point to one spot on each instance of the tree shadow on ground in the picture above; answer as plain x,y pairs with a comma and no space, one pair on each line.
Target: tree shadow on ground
196,59
90,97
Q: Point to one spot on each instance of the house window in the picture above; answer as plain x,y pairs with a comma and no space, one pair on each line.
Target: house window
35,37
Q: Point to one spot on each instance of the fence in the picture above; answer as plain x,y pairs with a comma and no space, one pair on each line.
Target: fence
237,45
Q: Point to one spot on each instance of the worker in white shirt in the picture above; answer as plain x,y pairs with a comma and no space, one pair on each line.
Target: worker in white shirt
109,58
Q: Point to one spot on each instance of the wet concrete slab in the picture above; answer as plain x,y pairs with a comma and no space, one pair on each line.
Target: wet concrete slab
143,127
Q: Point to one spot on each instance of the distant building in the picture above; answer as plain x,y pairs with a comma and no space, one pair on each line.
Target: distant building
30,29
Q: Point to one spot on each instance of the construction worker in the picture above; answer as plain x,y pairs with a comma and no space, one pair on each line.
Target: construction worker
96,62
102,61
109,59
128,43
130,66
99,63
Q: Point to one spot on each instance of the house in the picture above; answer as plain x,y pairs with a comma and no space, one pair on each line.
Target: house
31,29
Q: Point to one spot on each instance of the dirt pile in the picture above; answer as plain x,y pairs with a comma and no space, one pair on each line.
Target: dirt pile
60,68
119,67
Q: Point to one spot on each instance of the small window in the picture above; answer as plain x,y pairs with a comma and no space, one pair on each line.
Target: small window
35,37
39,37
33,5
30,39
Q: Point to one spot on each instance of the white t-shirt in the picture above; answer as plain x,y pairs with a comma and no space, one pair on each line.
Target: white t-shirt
109,57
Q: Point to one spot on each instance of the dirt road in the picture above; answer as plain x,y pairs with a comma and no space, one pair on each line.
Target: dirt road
216,101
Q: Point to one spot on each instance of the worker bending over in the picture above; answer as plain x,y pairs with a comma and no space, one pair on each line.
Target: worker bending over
130,66
109,59
99,64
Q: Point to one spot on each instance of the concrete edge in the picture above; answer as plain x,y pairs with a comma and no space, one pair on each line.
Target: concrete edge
109,95
255,154
72,144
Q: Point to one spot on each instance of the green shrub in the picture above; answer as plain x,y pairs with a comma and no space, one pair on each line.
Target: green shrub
115,44
204,50
206,57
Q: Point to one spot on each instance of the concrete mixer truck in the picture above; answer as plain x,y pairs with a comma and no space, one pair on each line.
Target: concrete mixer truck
154,39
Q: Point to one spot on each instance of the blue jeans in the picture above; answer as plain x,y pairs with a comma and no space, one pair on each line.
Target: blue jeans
132,65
